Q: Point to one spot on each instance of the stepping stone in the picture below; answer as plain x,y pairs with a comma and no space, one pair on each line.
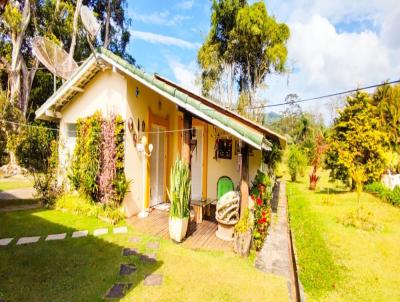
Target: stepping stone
153,280
99,232
149,258
153,245
121,230
27,240
56,237
127,269
79,234
5,241
118,290
129,251
134,240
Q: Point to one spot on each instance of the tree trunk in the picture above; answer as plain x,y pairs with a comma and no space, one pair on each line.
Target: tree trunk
108,17
244,179
17,97
187,137
75,29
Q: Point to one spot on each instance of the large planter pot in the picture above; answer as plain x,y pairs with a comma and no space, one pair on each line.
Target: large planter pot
178,228
242,243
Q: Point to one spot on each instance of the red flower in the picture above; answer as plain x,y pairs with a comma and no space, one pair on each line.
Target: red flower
259,221
264,220
259,201
264,213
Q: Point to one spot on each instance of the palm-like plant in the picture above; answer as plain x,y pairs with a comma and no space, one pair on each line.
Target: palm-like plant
179,190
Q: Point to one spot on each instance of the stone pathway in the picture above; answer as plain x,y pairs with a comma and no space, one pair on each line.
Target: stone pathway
119,290
22,193
275,255
62,236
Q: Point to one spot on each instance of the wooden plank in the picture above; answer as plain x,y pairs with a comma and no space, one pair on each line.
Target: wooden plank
156,224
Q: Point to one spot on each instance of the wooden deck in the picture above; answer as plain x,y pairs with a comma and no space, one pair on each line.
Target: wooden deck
200,235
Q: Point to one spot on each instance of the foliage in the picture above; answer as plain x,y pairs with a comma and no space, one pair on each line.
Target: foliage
262,207
97,167
9,132
319,150
356,141
273,157
359,218
262,219
80,205
55,21
179,190
245,223
384,193
107,160
38,153
386,100
296,162
245,44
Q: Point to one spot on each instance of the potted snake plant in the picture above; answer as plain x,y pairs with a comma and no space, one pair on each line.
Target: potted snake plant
179,196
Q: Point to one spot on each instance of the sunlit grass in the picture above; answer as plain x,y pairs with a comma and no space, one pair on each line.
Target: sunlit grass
339,263
11,184
84,269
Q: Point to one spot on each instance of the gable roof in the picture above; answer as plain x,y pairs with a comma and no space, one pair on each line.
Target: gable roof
250,132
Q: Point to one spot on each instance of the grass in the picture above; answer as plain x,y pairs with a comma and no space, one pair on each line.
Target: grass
338,263
11,184
84,269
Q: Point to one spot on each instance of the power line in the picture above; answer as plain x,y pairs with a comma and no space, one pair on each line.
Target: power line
326,96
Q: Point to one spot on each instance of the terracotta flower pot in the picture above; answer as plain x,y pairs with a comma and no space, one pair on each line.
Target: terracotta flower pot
178,228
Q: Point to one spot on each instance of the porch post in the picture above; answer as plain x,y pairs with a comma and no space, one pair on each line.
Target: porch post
244,178
187,137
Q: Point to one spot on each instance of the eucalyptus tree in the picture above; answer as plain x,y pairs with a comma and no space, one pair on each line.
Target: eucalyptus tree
27,85
244,45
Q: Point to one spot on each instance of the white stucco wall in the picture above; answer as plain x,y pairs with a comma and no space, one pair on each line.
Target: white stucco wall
226,167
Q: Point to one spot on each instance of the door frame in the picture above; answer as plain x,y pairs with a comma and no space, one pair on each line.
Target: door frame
163,122
199,123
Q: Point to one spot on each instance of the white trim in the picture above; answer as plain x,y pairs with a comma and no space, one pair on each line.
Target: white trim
41,112
180,103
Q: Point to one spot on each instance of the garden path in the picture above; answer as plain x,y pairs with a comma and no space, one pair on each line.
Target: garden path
275,256
20,193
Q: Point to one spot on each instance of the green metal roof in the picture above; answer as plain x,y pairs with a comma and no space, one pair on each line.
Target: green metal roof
255,136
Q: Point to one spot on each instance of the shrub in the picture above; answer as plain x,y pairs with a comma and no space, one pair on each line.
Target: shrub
297,162
262,219
360,219
179,190
384,193
83,206
38,153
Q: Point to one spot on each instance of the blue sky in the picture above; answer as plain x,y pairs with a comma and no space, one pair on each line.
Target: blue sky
334,45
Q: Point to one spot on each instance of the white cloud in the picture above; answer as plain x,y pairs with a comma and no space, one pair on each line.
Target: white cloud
162,39
185,74
163,18
325,60
187,4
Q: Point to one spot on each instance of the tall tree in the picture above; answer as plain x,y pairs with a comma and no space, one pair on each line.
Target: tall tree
27,86
357,142
244,45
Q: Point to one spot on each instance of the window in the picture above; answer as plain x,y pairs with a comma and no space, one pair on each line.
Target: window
71,131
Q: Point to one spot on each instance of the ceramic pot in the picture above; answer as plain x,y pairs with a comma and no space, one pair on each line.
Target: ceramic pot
178,228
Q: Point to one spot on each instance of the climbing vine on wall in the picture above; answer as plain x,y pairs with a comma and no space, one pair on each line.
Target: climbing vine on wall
97,167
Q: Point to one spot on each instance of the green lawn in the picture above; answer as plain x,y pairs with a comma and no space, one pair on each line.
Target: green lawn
83,269
10,184
339,263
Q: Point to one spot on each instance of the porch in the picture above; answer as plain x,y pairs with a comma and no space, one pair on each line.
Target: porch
199,236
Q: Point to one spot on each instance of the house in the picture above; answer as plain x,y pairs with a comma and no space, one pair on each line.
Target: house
223,143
